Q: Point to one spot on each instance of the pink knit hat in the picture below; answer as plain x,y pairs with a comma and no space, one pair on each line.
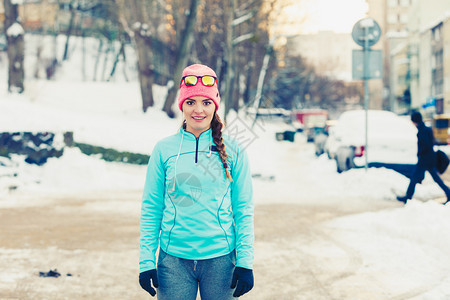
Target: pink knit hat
211,92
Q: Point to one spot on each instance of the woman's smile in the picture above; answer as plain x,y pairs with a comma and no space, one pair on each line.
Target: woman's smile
198,112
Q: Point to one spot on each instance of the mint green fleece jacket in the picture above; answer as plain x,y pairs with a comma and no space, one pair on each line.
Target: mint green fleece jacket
201,214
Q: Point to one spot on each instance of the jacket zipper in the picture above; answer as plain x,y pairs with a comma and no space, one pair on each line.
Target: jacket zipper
196,146
196,149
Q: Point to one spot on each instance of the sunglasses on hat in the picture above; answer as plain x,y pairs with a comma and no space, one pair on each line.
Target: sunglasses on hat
192,80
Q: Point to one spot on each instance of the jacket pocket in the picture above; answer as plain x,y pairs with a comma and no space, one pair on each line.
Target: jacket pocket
161,256
232,257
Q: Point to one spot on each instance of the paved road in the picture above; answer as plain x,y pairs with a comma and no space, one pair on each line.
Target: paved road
95,239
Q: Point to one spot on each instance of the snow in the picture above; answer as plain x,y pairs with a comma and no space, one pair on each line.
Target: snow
400,248
15,30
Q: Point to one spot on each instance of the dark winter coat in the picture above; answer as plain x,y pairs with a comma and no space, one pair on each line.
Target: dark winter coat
425,151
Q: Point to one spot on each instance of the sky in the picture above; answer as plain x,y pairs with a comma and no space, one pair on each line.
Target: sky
335,15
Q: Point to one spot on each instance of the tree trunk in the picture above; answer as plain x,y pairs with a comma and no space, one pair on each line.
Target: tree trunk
236,93
109,48
261,78
145,67
229,57
16,45
125,65
136,9
248,80
69,30
83,51
182,56
97,59
116,61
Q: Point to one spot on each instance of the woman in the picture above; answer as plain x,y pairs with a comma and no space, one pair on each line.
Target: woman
198,201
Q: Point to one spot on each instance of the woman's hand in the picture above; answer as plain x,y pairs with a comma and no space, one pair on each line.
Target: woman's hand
145,279
242,281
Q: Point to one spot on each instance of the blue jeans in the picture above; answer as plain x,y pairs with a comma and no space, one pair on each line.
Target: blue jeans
180,279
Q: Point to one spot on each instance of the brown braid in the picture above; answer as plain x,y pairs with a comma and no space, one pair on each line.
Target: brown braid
216,128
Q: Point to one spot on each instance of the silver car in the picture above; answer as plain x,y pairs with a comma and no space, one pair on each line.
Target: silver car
391,139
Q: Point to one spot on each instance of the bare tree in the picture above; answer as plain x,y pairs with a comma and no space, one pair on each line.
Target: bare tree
146,22
16,44
182,56
70,28
134,12
229,53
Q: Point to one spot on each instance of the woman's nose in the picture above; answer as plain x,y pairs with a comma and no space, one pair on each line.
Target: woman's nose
198,107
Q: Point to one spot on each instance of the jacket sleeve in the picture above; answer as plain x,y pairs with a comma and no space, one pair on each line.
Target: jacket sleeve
151,211
243,207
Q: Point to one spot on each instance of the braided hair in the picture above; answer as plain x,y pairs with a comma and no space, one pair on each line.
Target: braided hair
216,128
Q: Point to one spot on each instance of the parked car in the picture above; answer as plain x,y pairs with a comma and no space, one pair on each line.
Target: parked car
321,138
309,121
391,140
332,142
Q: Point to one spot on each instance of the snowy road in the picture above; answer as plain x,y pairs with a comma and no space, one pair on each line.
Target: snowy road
95,238
316,238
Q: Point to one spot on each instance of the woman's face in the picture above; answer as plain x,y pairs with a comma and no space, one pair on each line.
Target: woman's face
198,112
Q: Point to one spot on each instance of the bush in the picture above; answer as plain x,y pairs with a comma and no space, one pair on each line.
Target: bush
112,155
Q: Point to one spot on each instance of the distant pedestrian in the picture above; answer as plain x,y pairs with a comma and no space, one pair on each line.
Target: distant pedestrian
197,205
426,159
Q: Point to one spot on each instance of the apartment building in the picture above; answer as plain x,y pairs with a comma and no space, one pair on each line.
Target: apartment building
392,16
335,61
429,55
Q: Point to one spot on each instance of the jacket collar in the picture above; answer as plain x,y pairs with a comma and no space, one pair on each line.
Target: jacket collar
205,135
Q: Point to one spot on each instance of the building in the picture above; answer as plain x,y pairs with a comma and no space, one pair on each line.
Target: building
429,57
392,16
335,62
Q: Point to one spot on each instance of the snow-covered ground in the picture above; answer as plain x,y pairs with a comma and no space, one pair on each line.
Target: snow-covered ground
403,249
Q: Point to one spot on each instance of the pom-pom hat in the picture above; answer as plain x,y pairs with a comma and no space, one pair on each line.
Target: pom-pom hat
199,89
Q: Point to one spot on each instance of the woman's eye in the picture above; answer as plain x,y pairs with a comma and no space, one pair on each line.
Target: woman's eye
206,103
188,102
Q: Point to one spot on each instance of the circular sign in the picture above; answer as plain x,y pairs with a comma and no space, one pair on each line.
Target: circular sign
366,32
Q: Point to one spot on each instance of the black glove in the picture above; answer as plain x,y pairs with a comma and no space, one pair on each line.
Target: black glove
144,281
244,279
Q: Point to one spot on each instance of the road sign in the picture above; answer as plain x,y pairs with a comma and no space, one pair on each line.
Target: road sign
374,66
368,30
367,64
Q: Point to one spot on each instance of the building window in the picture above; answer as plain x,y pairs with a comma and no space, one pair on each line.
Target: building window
392,3
405,2
392,18
403,18
437,33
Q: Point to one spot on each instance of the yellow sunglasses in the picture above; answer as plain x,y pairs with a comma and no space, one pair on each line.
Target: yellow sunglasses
192,80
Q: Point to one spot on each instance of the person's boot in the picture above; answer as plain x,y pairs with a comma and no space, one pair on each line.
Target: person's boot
402,199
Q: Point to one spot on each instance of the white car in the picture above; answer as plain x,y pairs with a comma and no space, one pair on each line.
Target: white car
391,139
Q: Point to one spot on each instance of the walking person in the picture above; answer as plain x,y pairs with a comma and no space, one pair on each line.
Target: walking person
197,205
426,159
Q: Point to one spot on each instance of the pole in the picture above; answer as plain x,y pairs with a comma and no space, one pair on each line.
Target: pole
366,90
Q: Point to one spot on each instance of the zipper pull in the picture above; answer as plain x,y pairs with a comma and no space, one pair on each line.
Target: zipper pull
195,264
